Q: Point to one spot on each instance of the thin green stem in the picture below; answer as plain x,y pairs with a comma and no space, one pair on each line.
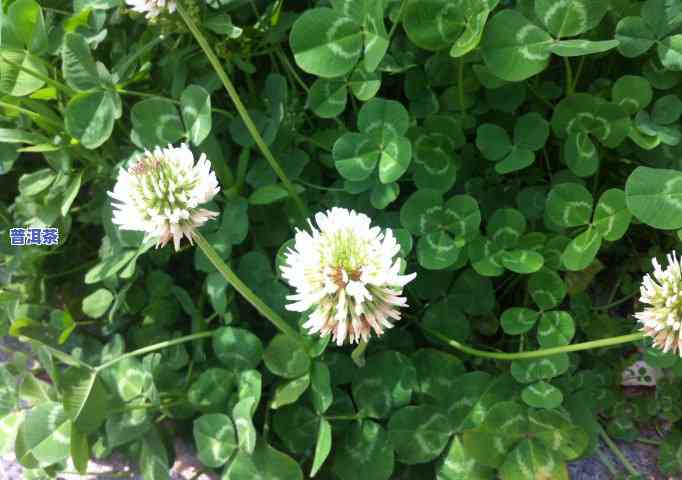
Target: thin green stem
245,291
241,109
53,83
616,451
543,352
617,302
31,114
460,83
569,76
149,406
77,268
649,441
607,463
141,51
155,347
578,72
398,19
133,93
287,64
343,417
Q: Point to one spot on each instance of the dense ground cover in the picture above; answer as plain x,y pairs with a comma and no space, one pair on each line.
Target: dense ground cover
407,237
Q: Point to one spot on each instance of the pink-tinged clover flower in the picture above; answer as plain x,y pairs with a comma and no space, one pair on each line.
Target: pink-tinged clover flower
662,291
346,274
161,192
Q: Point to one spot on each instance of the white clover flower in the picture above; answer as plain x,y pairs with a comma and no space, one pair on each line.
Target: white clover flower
151,8
663,292
346,273
160,194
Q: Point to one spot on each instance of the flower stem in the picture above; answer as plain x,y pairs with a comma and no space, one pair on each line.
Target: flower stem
607,463
398,19
649,441
569,76
243,113
156,346
245,291
616,451
543,352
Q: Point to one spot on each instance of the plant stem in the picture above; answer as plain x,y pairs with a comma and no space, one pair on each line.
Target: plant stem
241,109
649,441
616,451
245,291
32,115
121,69
543,352
342,417
156,346
607,463
53,83
177,102
460,83
287,64
569,76
617,302
578,72
398,19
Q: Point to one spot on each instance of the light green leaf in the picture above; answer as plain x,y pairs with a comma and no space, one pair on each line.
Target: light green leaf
568,18
97,303
522,261
546,288
237,349
195,105
635,36
78,66
569,205
632,92
513,48
670,52
582,250
290,391
286,358
264,462
611,215
26,20
542,395
85,398
215,439
375,459
326,43
384,384
323,446
577,48
16,82
418,433
321,394
458,464
327,98
517,320
654,196
44,436
90,116
156,122
555,329
211,390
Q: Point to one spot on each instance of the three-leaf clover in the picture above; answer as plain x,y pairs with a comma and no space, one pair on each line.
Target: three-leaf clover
443,227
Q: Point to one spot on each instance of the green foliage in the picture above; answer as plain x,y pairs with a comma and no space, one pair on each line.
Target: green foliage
525,154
